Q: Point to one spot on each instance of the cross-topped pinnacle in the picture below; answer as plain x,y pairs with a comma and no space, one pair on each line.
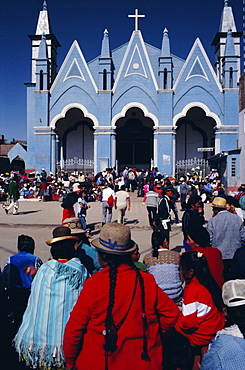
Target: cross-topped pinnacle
136,16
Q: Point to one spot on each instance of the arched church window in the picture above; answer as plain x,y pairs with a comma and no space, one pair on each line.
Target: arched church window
165,78
41,80
104,79
231,78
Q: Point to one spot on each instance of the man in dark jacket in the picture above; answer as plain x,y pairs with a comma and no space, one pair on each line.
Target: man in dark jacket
162,220
193,217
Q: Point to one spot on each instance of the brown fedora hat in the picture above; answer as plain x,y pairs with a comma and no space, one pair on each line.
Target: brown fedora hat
115,239
218,202
60,233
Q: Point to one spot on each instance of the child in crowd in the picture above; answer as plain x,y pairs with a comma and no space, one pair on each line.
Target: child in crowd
18,273
163,264
82,209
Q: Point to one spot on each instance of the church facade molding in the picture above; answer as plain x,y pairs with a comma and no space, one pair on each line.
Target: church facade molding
70,106
134,105
74,46
197,44
126,55
197,104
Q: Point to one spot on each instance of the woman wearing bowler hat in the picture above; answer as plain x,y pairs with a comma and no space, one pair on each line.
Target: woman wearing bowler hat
120,312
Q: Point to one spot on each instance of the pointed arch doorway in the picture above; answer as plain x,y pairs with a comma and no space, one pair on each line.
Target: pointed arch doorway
76,141
134,140
194,131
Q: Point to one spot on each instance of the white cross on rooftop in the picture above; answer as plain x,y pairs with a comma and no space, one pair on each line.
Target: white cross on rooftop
136,16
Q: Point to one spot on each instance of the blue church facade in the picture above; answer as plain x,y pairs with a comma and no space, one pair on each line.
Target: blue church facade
136,105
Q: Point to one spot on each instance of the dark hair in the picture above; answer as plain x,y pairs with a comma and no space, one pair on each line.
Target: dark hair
122,187
236,315
113,262
193,200
156,241
232,201
26,244
200,236
69,200
63,249
190,260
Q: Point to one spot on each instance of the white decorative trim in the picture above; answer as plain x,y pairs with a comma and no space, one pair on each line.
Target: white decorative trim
75,76
73,46
136,48
42,127
70,106
204,75
198,43
197,105
134,105
126,55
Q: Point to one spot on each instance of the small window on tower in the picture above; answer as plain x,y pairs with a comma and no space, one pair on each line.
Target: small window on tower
104,79
231,78
41,80
165,78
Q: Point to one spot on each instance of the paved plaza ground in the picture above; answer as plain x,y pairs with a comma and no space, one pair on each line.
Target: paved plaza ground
38,219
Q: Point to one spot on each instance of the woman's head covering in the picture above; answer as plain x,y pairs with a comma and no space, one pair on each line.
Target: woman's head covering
115,239
60,233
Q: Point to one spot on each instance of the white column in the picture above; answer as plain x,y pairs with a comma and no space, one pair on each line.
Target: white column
155,149
61,156
95,155
53,156
113,149
174,153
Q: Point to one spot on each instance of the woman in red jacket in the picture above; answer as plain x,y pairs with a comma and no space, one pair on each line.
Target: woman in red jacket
202,311
199,241
118,317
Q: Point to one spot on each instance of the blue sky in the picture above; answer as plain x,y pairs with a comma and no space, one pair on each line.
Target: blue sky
85,21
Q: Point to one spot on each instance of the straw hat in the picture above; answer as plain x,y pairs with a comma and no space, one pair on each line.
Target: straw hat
115,239
60,233
218,202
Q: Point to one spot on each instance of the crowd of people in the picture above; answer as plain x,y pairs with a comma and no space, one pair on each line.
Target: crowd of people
94,305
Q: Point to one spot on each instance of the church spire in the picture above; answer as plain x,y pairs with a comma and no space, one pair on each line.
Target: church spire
230,63
45,7
227,19
165,51
105,48
165,64
105,64
42,52
43,24
229,46
44,28
227,22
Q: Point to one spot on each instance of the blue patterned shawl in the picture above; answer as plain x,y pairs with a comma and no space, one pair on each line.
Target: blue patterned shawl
54,292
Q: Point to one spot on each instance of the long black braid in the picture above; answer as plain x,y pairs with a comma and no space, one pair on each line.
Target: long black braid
110,333
144,354
156,241
110,328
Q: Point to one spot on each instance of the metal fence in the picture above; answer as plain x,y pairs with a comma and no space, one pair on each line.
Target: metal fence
201,166
79,164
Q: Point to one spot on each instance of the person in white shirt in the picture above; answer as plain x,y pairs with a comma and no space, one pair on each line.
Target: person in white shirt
107,203
122,201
